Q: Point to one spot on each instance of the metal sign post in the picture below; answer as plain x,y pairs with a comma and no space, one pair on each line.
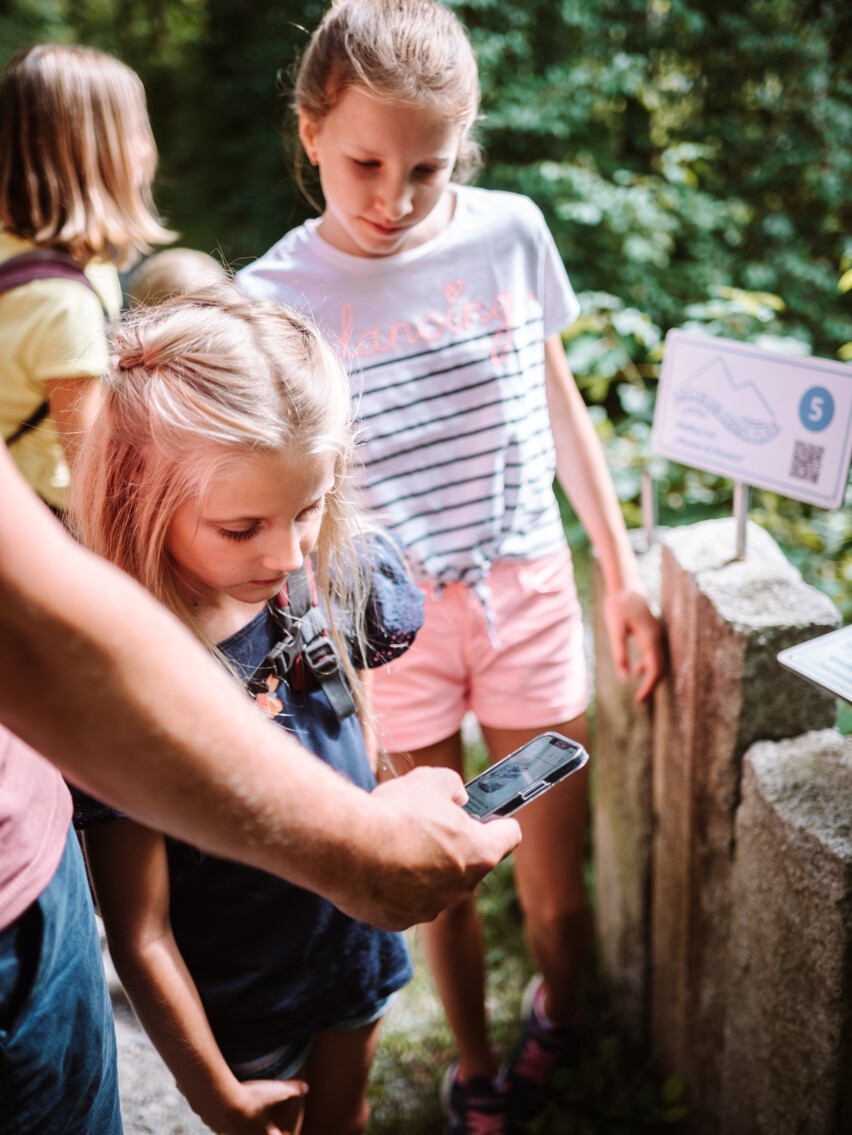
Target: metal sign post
742,496
649,508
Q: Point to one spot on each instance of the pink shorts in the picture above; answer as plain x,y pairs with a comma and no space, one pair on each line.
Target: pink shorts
530,672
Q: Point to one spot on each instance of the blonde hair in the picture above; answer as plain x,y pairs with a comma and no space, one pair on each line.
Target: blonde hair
404,52
192,384
77,156
175,272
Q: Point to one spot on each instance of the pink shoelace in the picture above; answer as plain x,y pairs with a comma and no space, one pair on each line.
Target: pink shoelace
534,1062
479,1123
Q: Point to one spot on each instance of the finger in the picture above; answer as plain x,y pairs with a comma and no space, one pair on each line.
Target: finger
276,1091
650,666
294,1088
649,680
457,790
618,639
495,839
445,781
504,836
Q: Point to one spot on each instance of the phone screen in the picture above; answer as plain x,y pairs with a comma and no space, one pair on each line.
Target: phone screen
510,783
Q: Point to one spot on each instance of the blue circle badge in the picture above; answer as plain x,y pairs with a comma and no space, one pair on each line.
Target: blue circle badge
816,409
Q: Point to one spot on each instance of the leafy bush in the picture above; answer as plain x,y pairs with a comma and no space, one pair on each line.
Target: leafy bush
693,160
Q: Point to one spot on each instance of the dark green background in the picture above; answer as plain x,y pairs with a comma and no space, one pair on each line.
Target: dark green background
693,158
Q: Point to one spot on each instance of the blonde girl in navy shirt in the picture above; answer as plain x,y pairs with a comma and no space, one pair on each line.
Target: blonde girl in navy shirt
216,472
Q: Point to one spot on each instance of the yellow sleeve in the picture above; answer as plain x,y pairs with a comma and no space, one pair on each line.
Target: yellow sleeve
65,335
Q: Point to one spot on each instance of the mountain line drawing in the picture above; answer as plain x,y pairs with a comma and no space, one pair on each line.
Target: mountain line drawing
741,410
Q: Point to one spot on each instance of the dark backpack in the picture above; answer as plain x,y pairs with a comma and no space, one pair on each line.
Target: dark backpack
41,264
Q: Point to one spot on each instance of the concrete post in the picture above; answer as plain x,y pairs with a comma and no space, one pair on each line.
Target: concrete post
623,821
726,620
787,1066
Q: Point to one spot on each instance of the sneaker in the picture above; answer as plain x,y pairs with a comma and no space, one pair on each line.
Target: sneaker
541,1050
472,1107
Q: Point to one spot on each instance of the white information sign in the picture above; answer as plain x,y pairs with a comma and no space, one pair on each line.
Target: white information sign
825,661
779,422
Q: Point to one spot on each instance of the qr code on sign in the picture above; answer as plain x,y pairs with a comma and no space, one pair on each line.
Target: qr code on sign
807,461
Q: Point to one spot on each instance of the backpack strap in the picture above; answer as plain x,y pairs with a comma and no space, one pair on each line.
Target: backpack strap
305,641
38,415
318,650
40,264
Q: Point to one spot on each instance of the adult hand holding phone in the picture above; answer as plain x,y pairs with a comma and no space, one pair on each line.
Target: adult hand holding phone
429,852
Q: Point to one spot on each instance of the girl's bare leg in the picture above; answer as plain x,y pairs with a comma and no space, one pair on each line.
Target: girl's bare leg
453,948
337,1071
549,872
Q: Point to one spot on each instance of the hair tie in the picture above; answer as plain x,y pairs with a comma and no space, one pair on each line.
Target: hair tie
130,358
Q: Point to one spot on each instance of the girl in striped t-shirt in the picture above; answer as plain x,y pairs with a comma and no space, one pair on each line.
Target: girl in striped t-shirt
447,303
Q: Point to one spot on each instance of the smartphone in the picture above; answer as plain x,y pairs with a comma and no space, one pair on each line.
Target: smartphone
524,775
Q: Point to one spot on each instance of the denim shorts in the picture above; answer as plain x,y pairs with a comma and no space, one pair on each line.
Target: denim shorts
58,1071
284,1063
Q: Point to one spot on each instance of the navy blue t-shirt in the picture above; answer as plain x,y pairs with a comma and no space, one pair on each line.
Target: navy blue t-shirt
273,962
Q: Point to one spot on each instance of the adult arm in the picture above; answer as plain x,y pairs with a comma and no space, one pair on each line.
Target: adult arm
102,680
162,991
582,472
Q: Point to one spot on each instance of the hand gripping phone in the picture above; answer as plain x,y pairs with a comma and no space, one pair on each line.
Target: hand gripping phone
523,776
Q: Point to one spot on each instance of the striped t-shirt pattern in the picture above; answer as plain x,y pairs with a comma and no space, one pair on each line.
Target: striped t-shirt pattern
445,347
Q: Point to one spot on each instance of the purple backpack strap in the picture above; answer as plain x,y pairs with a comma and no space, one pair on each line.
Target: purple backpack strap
41,264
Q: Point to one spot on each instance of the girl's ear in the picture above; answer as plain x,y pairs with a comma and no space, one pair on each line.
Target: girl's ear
307,136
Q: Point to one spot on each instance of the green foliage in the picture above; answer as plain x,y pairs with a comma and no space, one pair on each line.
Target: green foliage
233,172
693,160
819,543
677,146
211,71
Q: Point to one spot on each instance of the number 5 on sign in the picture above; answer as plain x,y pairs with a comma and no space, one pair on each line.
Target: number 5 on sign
779,422
816,408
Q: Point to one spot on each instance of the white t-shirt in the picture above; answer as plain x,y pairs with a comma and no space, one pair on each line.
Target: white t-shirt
445,348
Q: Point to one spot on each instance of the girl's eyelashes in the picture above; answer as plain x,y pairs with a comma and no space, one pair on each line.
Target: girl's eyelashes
239,533
245,534
313,509
373,164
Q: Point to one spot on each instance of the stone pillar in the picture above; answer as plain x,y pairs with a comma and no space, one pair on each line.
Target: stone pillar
726,620
623,821
788,1022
